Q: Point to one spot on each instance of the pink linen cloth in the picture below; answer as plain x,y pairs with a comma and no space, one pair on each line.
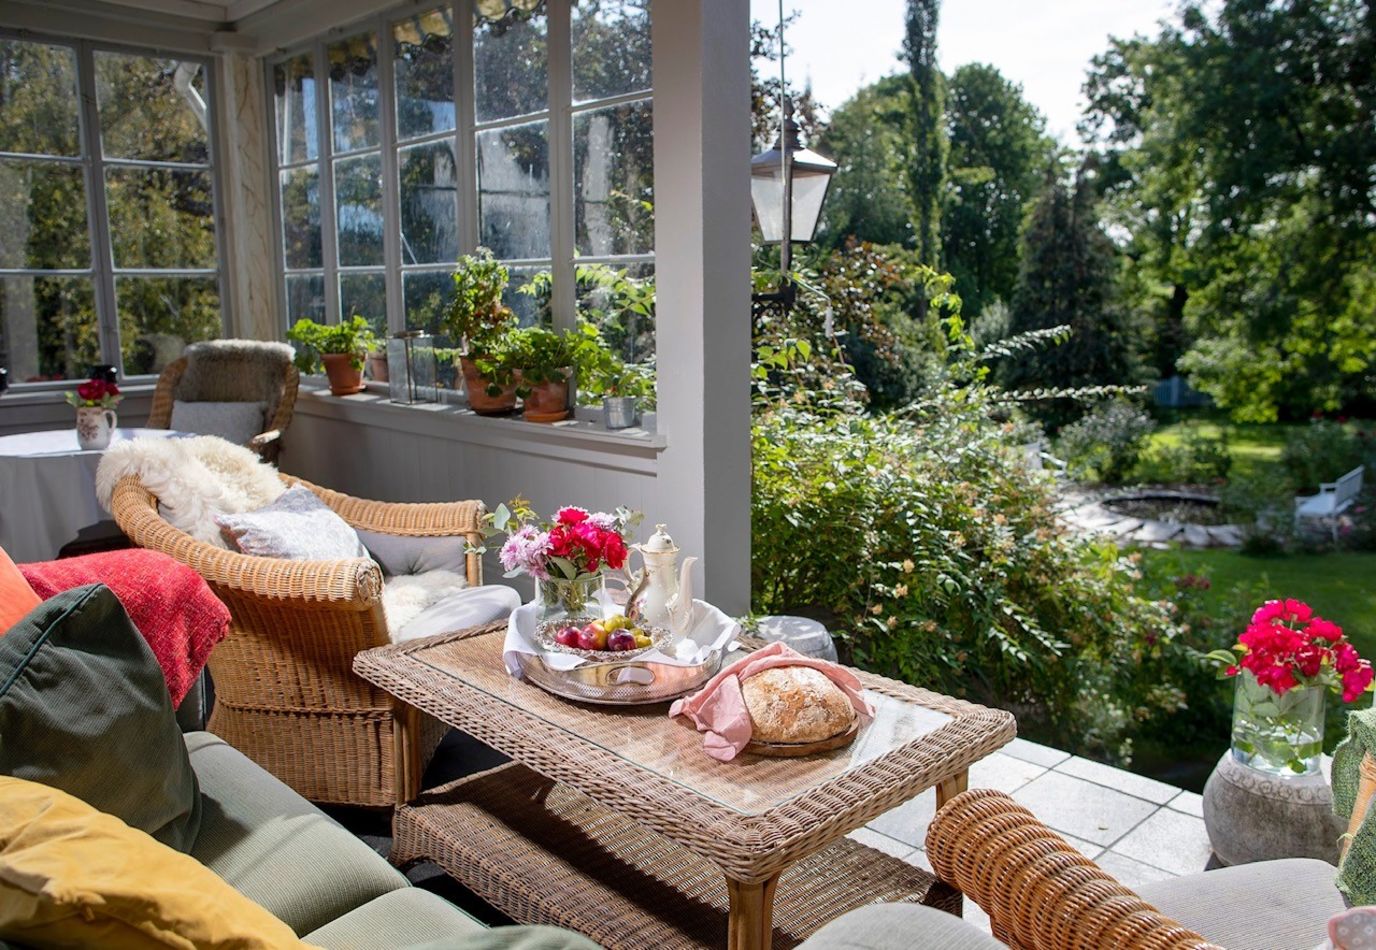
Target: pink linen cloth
719,710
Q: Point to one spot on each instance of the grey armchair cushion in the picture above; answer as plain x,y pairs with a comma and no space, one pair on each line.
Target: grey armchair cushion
398,555
297,526
84,708
396,919
900,927
470,607
236,422
1270,904
275,847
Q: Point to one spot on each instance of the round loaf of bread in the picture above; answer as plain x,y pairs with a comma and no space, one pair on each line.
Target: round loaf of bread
795,704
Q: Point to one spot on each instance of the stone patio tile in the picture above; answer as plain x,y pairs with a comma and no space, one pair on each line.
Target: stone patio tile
1088,848
1034,752
974,914
882,842
1170,840
1137,785
1006,773
908,822
1081,808
1191,803
1130,873
919,859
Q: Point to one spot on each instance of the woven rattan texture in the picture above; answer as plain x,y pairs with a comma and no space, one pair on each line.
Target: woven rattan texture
286,694
543,853
547,733
1039,892
268,443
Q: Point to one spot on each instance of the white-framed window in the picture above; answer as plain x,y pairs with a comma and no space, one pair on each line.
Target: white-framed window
412,138
108,208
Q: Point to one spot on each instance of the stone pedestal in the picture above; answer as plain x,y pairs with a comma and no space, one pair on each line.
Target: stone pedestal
1251,816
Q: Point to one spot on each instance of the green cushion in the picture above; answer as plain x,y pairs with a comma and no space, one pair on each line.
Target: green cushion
84,708
275,847
398,919
510,938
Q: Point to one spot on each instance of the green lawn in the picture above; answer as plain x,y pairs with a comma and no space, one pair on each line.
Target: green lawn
1253,446
1340,586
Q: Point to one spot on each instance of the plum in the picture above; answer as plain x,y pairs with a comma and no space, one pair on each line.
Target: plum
620,641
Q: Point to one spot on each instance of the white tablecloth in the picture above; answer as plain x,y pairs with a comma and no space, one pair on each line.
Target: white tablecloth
48,490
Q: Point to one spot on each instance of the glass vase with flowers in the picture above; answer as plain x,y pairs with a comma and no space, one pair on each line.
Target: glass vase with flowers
1285,663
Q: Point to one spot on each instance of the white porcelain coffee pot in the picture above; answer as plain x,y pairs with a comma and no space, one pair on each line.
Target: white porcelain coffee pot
665,590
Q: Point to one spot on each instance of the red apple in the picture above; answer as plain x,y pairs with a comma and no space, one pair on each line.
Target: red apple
567,637
620,641
592,637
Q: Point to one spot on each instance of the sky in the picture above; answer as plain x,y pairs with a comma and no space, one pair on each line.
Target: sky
1045,45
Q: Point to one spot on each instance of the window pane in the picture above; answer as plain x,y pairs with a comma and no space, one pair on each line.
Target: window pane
427,295
510,58
531,309
613,167
42,215
611,48
424,58
301,217
294,86
48,328
38,99
158,316
620,302
358,204
305,297
429,203
161,217
364,295
513,190
353,92
152,108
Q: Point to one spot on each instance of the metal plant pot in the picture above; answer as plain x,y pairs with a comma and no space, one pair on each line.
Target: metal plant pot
620,412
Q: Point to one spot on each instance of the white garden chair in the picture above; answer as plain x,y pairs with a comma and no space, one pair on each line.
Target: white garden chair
1332,500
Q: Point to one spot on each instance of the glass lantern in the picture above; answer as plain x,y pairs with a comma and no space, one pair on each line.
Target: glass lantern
411,367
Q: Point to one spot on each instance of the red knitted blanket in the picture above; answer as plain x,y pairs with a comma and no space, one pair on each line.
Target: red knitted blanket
169,602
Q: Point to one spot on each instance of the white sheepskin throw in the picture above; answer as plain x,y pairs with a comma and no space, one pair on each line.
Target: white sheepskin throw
195,479
406,596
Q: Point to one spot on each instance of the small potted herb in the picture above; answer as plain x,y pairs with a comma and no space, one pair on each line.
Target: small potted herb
544,362
623,389
339,347
479,322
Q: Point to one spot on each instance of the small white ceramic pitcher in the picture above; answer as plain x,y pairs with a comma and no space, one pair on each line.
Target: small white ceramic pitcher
94,426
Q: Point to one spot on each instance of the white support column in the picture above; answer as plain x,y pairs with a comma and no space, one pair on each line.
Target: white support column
702,264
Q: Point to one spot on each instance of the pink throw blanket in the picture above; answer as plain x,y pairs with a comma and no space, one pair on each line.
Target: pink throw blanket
719,710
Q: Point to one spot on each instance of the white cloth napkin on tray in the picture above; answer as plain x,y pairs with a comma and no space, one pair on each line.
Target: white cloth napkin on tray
711,630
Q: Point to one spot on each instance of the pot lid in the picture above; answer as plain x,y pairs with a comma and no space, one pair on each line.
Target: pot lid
660,542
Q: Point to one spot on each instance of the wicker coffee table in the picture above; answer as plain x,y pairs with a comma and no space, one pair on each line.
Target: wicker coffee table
613,822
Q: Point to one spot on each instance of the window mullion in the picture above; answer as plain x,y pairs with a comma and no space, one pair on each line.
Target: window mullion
102,254
391,188
329,219
561,162
466,147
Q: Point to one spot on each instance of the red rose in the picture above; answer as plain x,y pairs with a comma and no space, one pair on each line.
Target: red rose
91,390
571,515
614,550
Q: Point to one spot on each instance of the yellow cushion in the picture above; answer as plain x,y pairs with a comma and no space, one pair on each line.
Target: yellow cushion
74,876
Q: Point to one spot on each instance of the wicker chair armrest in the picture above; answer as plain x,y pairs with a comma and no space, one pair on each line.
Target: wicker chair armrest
1041,893
441,519
263,439
1366,790
160,411
350,584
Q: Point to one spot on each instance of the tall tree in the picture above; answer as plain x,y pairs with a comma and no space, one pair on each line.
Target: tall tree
869,139
927,169
998,151
1068,277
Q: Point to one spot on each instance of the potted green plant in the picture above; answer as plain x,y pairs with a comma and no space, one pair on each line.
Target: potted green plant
479,322
543,362
339,347
623,390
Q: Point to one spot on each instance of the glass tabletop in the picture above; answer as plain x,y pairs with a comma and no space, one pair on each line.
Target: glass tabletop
645,738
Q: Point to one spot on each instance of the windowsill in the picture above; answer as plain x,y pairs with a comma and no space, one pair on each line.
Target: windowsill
45,394
583,432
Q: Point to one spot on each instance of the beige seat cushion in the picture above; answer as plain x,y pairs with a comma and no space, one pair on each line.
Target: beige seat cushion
275,847
1270,905
398,919
899,927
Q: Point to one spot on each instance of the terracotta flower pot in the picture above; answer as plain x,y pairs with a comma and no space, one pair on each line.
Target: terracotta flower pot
548,402
345,379
476,387
377,367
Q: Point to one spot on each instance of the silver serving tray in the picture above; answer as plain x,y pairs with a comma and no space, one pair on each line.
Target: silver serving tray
621,682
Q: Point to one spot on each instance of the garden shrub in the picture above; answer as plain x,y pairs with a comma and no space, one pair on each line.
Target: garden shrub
935,555
1323,450
1197,459
1106,443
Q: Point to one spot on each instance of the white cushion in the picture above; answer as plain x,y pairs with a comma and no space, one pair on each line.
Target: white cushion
297,526
236,422
1318,506
470,607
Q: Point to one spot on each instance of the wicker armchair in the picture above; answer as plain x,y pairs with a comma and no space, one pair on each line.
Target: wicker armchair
1042,894
285,691
279,393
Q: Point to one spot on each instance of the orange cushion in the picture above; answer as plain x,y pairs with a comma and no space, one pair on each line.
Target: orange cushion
16,596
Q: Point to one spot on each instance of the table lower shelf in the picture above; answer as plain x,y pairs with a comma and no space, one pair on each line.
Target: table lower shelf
543,853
